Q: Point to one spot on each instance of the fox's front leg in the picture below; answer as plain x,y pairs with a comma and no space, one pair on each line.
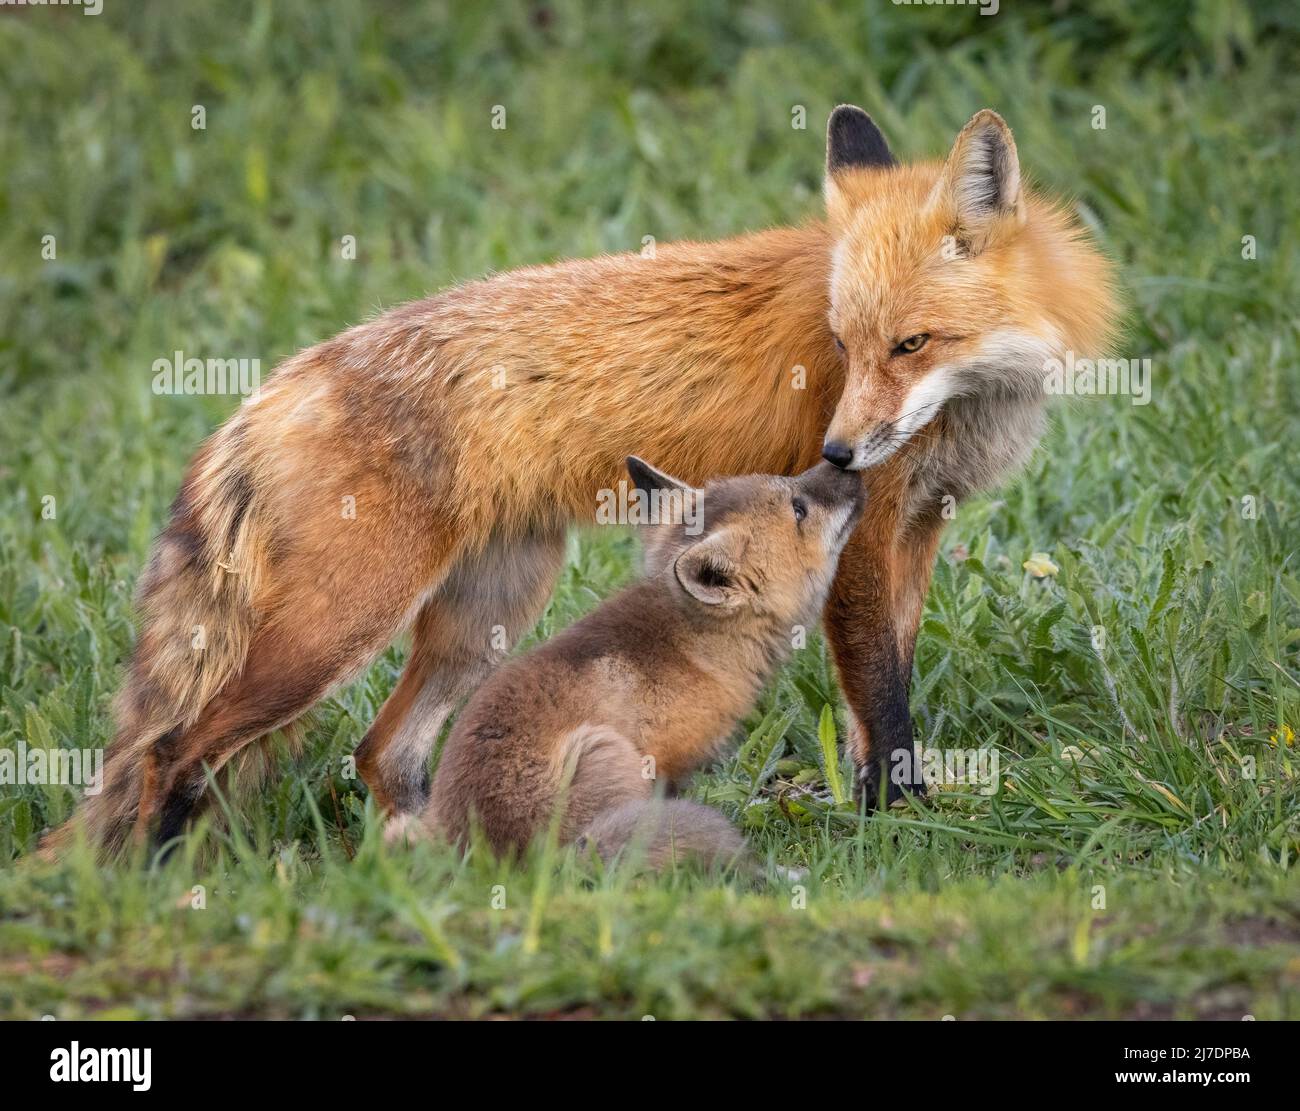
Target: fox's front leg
871,620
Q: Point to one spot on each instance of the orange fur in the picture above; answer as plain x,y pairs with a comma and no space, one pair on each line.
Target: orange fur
473,427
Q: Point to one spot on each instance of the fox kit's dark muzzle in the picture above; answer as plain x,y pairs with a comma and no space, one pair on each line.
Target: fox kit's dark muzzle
829,486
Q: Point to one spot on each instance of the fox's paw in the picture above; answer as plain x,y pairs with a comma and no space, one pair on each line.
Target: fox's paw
404,829
873,774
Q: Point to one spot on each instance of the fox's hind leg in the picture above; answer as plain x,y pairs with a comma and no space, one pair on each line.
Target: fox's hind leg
323,629
488,601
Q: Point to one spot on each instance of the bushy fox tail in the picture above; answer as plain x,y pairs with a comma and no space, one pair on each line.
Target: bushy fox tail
662,831
197,611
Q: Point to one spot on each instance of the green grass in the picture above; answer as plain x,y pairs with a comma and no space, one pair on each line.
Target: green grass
374,120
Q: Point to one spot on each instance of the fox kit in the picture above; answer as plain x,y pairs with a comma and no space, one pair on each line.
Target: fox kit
418,472
646,687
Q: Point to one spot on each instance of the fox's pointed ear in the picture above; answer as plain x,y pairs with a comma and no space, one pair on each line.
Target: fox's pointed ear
670,500
980,183
710,570
853,142
646,478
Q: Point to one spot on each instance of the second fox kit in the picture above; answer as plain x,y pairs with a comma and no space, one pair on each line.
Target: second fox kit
647,686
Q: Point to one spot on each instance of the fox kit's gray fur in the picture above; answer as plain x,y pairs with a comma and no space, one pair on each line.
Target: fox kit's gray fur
644,688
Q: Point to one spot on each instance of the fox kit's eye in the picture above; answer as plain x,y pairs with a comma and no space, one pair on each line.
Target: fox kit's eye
912,344
800,510
839,345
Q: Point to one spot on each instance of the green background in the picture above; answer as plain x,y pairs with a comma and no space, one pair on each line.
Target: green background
675,120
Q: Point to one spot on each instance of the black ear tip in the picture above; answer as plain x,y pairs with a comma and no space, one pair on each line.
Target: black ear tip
853,139
849,115
643,475
844,121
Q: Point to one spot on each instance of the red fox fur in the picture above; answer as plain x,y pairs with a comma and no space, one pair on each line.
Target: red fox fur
469,430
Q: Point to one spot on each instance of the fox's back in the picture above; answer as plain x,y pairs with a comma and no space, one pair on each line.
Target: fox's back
532,386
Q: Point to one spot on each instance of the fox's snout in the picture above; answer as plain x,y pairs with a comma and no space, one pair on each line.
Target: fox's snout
876,443
839,490
838,454
831,485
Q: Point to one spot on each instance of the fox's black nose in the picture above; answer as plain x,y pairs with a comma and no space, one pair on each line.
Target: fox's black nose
835,452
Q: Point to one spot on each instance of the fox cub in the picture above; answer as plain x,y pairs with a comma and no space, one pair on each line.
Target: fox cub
647,686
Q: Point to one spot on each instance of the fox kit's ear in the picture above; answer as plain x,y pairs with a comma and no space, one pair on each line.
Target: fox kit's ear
646,478
675,500
853,142
980,183
710,570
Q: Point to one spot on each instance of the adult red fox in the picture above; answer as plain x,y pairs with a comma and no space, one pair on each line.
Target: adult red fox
647,686
419,471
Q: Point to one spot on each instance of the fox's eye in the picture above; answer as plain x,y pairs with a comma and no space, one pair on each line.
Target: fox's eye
800,509
912,344
839,345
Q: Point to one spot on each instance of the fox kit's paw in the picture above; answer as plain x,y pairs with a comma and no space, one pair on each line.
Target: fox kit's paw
404,829
875,773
